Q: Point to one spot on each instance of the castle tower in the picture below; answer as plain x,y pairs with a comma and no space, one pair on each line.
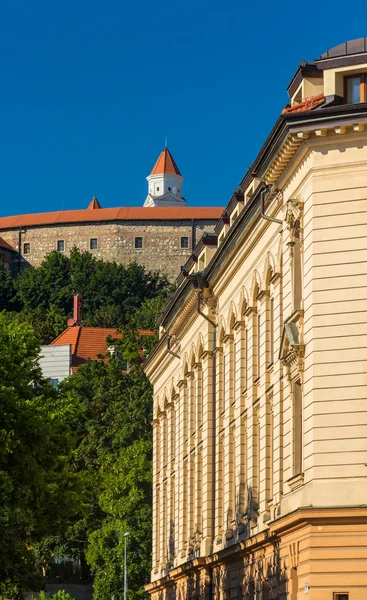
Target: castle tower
165,183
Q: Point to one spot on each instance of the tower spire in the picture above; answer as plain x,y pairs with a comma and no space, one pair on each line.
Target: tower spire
165,182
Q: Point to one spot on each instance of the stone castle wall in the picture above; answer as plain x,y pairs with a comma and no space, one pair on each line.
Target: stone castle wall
161,249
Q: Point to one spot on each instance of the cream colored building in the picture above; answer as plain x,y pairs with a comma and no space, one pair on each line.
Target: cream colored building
260,373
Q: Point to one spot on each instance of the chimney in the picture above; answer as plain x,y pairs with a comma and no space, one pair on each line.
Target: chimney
78,311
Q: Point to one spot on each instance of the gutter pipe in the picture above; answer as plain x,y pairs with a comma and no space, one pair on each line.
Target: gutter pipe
169,348
262,207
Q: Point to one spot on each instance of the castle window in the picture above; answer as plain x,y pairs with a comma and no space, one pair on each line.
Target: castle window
169,189
138,243
93,244
184,242
355,89
60,245
157,188
26,248
178,191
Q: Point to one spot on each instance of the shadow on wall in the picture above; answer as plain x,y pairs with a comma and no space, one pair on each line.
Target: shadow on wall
251,575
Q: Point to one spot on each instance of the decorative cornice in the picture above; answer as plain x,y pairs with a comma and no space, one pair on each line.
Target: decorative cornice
283,158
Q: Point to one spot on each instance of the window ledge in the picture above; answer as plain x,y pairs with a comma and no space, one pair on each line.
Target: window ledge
296,481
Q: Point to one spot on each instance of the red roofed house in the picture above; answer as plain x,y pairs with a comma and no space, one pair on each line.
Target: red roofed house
77,345
160,235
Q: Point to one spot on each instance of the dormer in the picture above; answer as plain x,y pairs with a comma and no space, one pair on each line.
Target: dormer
338,77
345,71
306,83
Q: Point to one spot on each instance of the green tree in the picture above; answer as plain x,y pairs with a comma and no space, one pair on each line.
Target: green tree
39,492
114,449
112,293
7,291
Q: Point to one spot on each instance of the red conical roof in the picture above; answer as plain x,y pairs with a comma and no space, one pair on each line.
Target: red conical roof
165,164
94,204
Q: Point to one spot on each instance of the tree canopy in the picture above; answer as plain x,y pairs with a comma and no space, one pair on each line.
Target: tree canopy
39,491
76,462
112,293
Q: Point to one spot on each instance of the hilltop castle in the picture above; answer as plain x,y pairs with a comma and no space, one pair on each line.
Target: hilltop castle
161,235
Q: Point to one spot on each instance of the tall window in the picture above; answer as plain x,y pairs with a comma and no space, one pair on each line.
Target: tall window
256,465
297,427
60,246
93,244
138,243
258,344
185,242
26,248
246,356
297,268
270,449
355,89
271,336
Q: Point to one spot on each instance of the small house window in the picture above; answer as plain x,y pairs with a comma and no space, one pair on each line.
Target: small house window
26,248
138,242
184,242
355,89
60,246
55,383
93,244
341,596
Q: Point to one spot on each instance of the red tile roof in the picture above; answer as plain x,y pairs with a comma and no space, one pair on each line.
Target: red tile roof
94,204
158,213
5,245
88,342
165,164
307,104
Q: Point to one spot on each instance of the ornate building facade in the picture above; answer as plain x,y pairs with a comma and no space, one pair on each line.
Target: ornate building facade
260,385
160,235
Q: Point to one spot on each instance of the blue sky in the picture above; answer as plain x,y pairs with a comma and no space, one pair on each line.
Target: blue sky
91,89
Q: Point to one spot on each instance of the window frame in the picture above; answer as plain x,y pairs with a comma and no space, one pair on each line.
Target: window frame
90,243
139,237
337,595
185,237
28,244
362,87
57,245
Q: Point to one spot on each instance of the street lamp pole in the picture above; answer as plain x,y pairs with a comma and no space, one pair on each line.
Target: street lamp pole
125,568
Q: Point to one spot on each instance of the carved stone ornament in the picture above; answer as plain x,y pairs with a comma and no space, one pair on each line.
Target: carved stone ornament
293,212
292,350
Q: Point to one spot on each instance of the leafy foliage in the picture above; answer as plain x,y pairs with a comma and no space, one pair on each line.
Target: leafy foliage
112,293
7,290
77,463
60,595
114,449
39,493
